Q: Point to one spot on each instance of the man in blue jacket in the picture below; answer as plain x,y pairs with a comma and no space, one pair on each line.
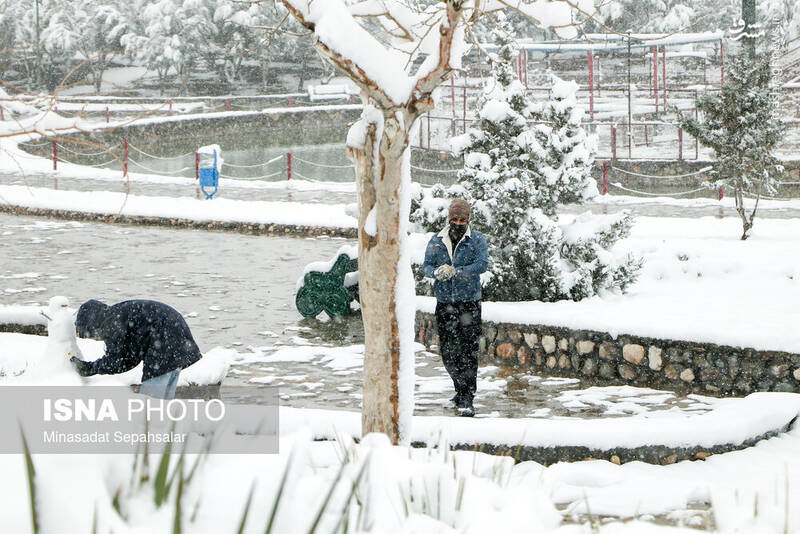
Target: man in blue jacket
138,331
455,258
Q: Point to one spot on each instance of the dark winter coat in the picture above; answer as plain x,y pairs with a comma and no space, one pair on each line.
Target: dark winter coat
135,331
470,258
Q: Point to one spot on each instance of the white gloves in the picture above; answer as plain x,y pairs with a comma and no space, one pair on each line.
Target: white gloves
444,272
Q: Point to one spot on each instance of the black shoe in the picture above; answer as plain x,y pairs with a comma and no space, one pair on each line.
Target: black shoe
465,408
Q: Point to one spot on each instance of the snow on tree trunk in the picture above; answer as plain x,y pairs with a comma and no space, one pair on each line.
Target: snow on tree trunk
376,146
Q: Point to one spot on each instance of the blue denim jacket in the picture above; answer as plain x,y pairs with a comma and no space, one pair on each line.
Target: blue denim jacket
470,258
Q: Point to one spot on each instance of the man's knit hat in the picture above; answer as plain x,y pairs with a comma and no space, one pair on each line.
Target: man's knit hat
459,209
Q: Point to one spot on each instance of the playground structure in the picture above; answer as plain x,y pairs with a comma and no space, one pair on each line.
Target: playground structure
663,73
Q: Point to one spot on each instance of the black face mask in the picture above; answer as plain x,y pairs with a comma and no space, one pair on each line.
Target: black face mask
457,231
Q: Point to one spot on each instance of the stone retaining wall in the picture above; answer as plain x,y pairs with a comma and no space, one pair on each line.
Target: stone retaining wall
241,227
300,126
599,358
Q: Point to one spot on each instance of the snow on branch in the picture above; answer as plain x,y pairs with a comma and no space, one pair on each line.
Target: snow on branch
379,57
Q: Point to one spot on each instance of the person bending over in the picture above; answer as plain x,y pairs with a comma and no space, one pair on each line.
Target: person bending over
138,331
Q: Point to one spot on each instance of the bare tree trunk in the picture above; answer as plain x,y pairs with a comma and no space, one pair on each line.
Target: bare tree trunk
378,256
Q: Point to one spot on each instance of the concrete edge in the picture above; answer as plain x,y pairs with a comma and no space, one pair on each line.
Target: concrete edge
273,229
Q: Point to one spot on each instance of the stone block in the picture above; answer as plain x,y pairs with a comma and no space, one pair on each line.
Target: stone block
671,459
607,370
687,375
585,347
702,455
490,332
576,361
481,344
515,336
549,344
626,371
563,344
490,352
796,374
531,339
633,353
785,387
608,351
654,358
615,460
708,374
538,356
589,367
506,351
672,371
701,362
563,362
779,369
551,362
524,355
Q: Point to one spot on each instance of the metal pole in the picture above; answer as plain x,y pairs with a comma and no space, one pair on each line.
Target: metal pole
38,50
721,64
613,143
591,85
680,144
429,130
125,159
696,141
664,74
630,108
288,165
108,115
749,18
605,177
464,111
655,76
55,155
453,96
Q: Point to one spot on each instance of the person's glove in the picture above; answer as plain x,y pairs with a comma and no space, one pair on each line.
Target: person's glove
444,272
81,367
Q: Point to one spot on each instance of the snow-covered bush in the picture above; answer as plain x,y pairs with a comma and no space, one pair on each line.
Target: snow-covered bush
521,162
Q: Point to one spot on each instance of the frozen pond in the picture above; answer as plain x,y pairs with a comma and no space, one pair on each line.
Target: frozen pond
237,291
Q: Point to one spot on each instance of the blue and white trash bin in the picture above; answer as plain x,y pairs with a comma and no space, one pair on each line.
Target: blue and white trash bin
209,167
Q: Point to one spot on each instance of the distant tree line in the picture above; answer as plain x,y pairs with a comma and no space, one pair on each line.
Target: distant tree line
225,42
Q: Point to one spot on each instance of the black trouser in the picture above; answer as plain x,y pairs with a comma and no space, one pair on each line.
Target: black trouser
459,326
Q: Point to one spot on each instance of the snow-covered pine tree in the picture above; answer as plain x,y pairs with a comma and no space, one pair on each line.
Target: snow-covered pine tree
521,162
741,124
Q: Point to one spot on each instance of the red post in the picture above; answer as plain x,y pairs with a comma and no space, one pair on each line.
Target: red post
170,108
227,105
680,144
108,115
591,85
2,114
351,99
720,193
196,164
605,177
55,155
664,74
613,142
646,142
655,76
288,165
291,102
125,159
721,64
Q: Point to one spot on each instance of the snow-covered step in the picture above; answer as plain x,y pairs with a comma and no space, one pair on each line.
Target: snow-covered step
734,424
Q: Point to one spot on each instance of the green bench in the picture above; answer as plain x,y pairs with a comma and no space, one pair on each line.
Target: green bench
329,286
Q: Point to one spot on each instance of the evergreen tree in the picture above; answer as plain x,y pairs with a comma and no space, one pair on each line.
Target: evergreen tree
741,124
520,163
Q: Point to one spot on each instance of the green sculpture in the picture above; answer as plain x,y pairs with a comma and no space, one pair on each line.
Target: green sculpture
330,291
